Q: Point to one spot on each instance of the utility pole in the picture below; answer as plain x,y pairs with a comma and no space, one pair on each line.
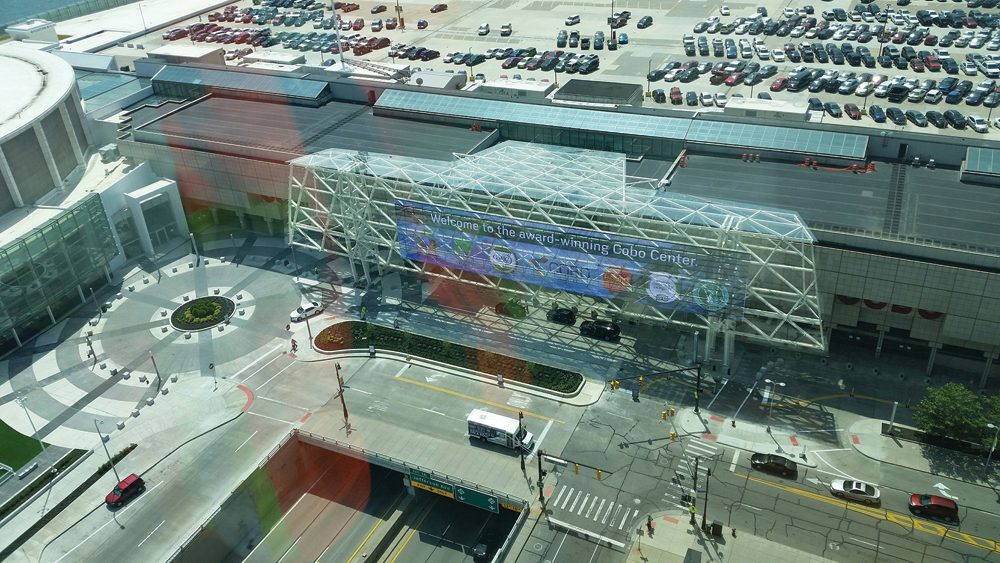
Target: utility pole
340,383
520,430
156,370
541,476
695,478
704,508
697,391
111,461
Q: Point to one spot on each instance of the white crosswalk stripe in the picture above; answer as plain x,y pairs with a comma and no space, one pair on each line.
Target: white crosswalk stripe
583,505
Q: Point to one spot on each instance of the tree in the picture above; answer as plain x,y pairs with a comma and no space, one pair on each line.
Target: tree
951,410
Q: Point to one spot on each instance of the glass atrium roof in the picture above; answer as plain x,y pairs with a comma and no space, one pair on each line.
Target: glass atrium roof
293,87
735,134
561,177
983,161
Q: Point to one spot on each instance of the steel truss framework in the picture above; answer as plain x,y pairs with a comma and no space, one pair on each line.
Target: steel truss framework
343,202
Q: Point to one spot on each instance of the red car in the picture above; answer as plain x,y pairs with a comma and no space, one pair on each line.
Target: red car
717,79
129,487
735,78
852,111
359,24
511,62
779,84
933,506
676,97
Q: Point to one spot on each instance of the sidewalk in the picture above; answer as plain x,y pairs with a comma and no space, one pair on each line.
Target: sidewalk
674,537
748,436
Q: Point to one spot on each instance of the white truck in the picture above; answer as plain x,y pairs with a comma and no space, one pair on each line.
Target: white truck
499,429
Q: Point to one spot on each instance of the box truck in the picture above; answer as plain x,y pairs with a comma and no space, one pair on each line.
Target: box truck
499,429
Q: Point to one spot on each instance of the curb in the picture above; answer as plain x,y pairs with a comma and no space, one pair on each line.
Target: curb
469,374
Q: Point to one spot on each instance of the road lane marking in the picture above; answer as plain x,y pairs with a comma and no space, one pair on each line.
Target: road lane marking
538,442
122,511
289,550
559,496
582,505
353,388
151,533
608,513
864,542
390,508
247,440
882,514
263,398
625,517
736,456
599,509
591,509
281,371
475,399
259,358
410,536
272,418
400,372
555,556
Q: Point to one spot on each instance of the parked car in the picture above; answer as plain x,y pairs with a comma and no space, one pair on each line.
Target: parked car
562,316
978,124
128,488
858,491
378,8
773,463
438,8
876,113
935,507
506,30
896,116
572,20
852,111
601,330
659,96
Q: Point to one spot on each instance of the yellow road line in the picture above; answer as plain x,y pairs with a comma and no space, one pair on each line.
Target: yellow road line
477,399
881,514
410,536
363,542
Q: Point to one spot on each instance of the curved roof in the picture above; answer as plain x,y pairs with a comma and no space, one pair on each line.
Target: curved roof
564,177
34,82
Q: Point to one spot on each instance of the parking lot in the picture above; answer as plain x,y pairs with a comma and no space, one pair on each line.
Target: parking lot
855,53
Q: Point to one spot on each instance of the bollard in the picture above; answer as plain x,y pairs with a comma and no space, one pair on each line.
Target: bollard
673,411
599,474
663,415
673,436
733,423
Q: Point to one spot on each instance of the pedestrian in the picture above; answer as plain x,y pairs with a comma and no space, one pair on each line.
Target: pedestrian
295,346
499,380
364,312
692,510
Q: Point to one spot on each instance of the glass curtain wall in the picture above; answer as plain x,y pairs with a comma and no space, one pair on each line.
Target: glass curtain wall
48,269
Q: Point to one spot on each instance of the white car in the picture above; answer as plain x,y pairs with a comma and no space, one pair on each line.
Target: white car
449,57
305,311
724,10
864,89
996,122
969,68
484,29
720,99
778,56
933,96
855,490
706,98
978,124
572,20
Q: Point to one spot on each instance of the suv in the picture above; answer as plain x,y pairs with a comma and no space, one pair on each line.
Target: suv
506,30
601,330
562,316
484,29
572,20
124,491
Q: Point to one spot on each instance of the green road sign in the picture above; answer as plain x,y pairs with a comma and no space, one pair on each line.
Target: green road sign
423,480
477,499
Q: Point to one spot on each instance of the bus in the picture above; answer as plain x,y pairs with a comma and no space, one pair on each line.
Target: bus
499,429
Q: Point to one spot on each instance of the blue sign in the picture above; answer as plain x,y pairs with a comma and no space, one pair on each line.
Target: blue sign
661,274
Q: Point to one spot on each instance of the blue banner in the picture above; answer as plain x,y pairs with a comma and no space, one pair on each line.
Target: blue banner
660,274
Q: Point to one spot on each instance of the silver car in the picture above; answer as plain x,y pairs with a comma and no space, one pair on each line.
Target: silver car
855,490
305,311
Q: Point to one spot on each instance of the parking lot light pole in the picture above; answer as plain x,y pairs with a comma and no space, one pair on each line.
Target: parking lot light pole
989,459
111,461
770,396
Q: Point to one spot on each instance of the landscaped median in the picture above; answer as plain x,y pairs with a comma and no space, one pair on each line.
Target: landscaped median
352,335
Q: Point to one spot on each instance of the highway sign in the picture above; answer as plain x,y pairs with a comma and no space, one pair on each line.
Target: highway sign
423,480
477,499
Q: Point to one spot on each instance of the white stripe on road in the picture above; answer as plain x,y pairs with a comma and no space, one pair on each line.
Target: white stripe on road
151,533
401,370
864,542
582,505
559,496
538,442
247,440
137,502
625,517
599,509
259,358
282,370
608,513
271,418
615,515
591,509
736,456
575,500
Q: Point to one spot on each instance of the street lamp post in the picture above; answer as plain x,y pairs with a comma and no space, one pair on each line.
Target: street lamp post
111,461
770,396
20,401
159,382
340,383
989,459
704,507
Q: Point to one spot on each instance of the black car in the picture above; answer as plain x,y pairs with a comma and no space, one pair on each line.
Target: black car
644,22
955,118
896,116
601,330
691,98
772,463
833,109
916,117
562,315
815,104
937,118
659,96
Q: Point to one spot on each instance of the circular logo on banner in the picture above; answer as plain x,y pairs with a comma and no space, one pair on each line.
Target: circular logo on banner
426,242
503,259
662,287
710,295
617,279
